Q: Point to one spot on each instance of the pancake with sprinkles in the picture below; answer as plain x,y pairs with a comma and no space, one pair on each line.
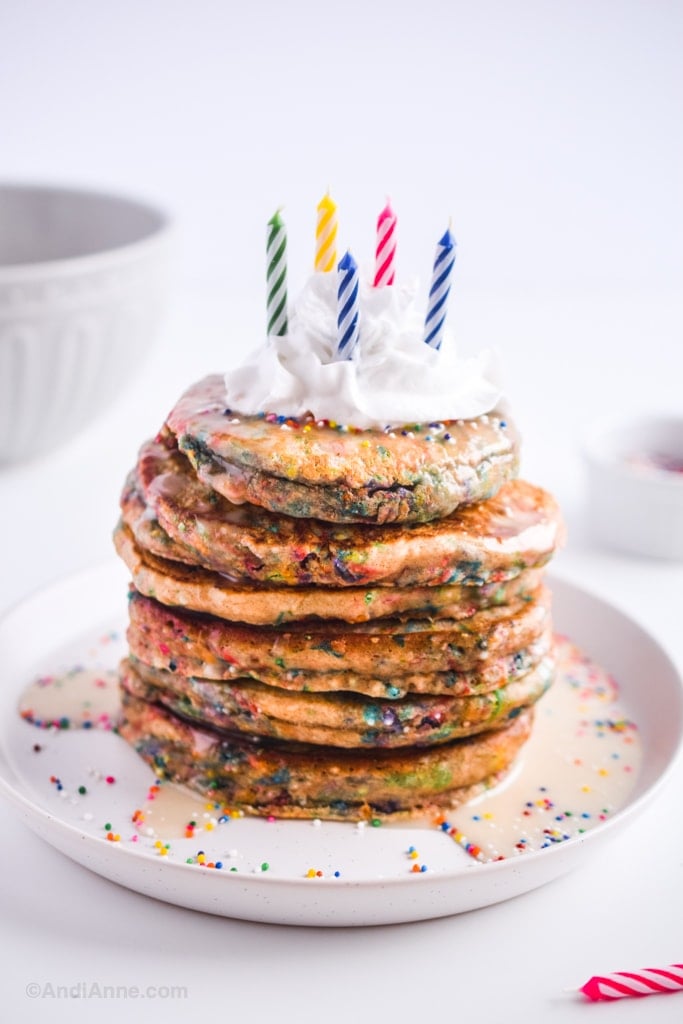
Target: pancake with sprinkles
312,470
304,781
174,515
338,605
201,590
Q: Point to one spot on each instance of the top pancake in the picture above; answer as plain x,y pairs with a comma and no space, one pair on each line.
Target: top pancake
338,474
174,515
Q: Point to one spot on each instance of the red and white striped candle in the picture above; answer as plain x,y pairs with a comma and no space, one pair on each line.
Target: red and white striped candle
385,253
649,981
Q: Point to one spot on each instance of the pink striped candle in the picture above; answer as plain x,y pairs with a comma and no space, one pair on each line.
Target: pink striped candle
385,254
649,981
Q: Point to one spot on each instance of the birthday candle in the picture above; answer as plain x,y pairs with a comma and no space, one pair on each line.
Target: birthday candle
347,306
440,287
276,275
326,235
385,254
647,982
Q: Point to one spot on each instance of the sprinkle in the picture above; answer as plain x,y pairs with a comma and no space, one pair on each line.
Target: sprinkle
457,836
265,866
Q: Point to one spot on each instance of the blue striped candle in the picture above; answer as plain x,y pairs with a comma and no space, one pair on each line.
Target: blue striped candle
438,293
347,306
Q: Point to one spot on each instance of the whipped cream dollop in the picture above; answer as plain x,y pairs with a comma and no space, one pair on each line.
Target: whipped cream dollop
392,379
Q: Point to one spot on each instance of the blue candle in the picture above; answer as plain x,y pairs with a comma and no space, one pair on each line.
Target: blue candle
347,306
438,293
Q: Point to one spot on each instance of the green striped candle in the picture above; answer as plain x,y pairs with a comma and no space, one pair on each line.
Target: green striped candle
276,275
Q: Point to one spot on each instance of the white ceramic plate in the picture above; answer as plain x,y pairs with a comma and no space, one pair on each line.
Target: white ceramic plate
74,622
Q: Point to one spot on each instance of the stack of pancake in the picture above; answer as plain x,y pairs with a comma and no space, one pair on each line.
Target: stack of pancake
333,623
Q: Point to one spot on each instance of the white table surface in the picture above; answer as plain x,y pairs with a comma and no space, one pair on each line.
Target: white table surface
553,138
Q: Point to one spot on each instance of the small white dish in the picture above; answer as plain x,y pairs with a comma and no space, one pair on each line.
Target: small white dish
635,485
82,288
78,618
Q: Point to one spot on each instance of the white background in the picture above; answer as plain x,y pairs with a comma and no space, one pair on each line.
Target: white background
551,135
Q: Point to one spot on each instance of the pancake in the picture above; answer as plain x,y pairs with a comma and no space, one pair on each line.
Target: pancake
491,674
332,622
382,647
299,781
146,529
174,515
173,583
313,470
337,720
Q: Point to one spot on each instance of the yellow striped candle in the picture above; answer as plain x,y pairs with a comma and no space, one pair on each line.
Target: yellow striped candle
326,235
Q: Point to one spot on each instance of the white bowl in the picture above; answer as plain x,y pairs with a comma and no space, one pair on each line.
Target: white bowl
82,285
635,485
